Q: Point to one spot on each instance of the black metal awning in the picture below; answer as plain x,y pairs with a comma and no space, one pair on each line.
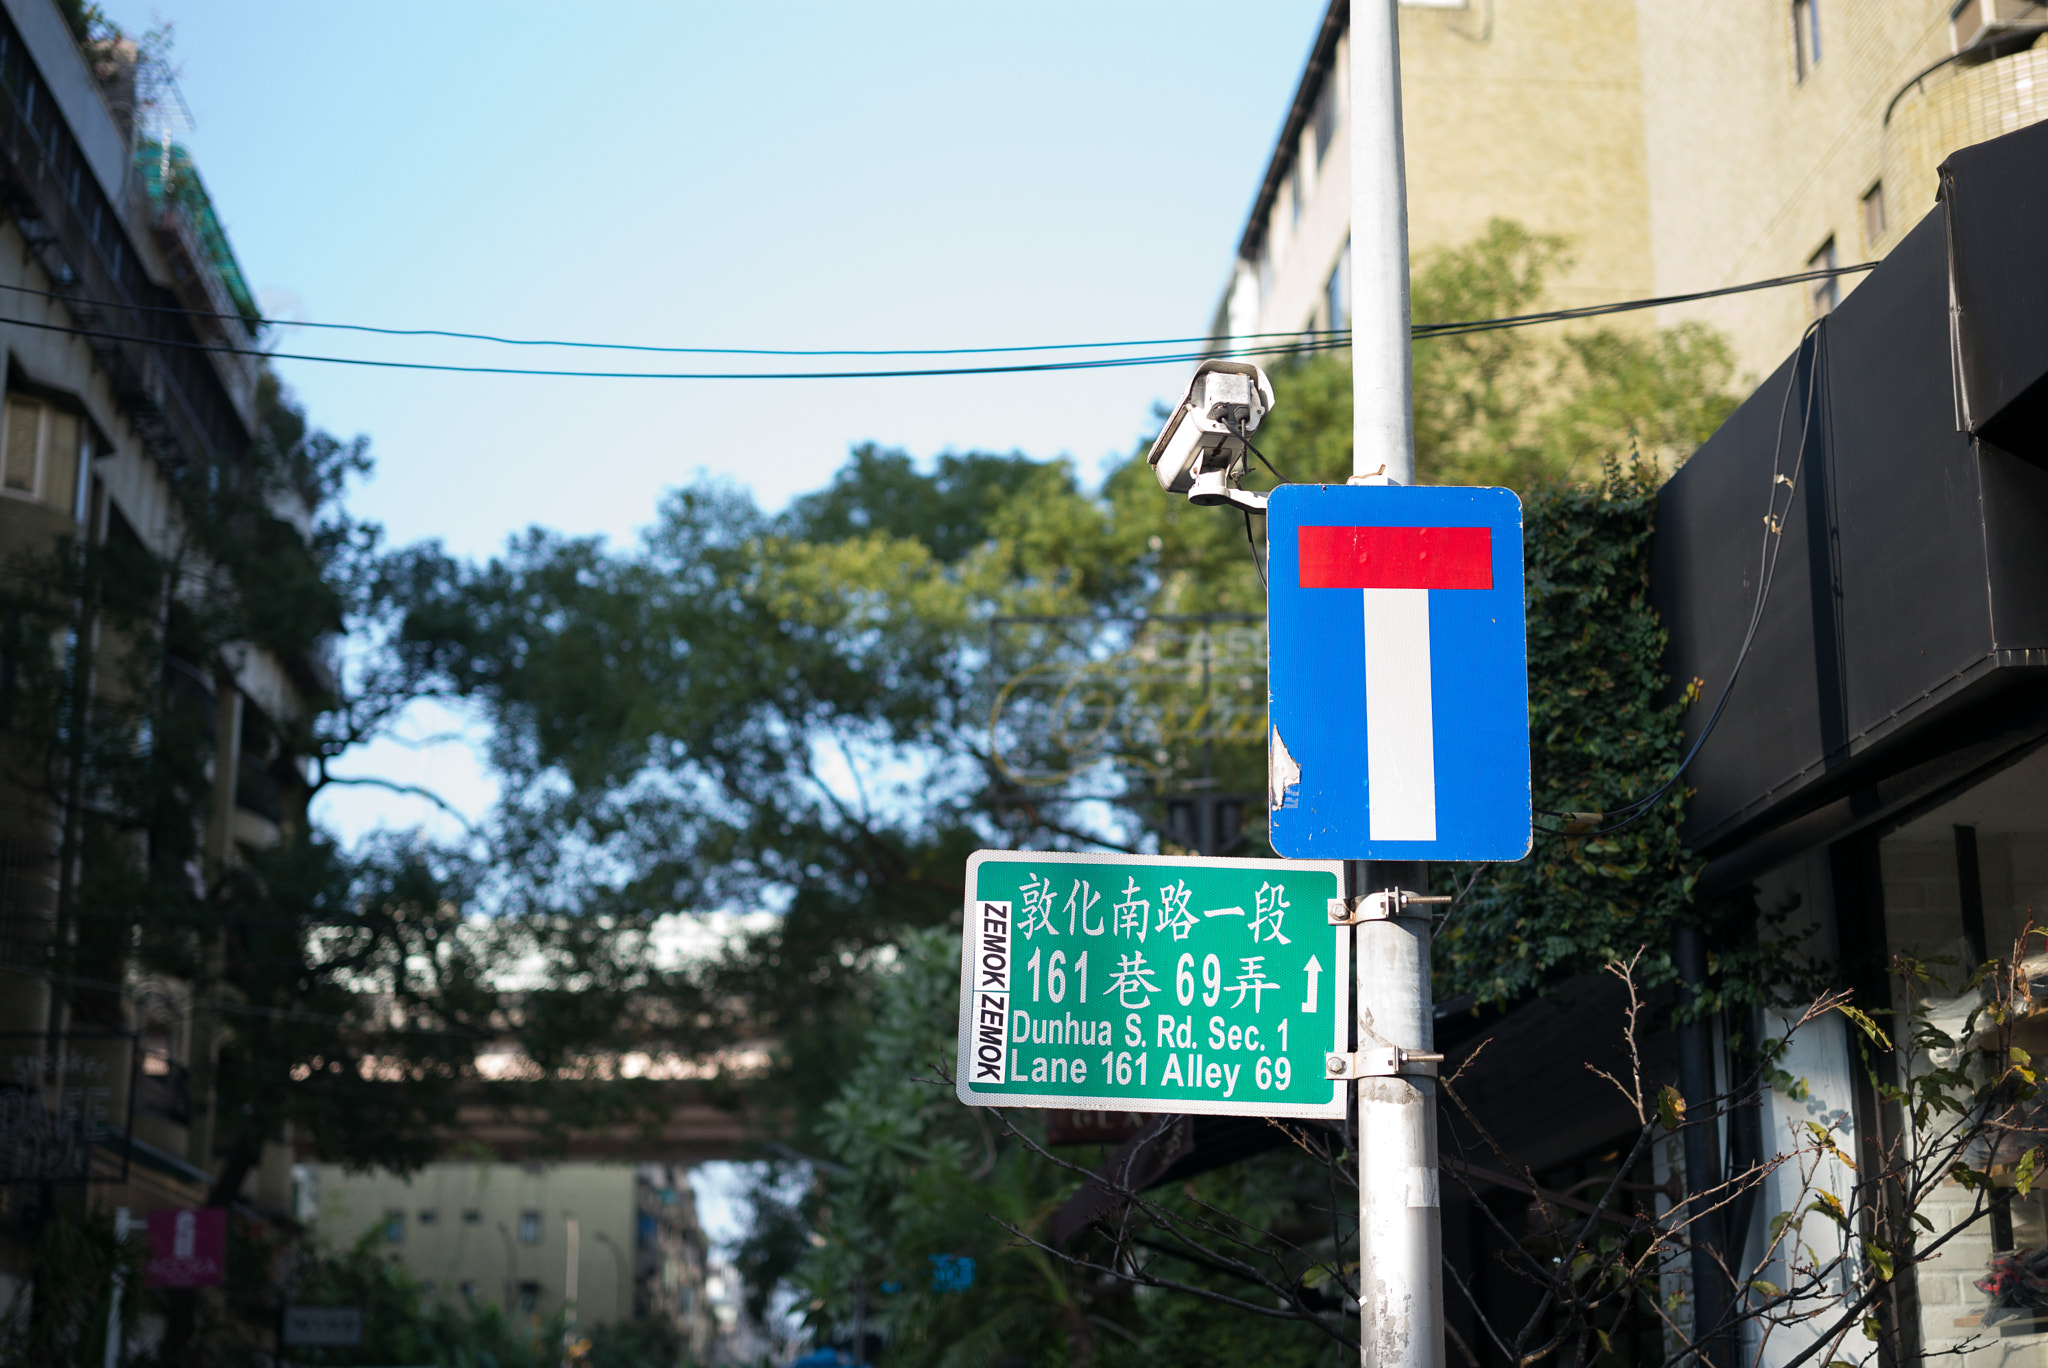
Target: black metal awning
1904,644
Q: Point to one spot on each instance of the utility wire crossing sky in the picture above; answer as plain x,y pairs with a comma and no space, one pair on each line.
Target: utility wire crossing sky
1311,340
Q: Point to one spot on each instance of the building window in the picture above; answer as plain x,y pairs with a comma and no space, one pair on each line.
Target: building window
1827,292
471,1216
41,445
529,1227
428,1216
1325,119
1337,293
394,1227
1297,190
1805,36
467,1287
1873,212
429,1290
529,1298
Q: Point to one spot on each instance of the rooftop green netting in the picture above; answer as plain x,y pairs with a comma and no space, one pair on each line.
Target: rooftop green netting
174,178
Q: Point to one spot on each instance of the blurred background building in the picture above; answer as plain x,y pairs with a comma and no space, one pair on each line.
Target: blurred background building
618,1240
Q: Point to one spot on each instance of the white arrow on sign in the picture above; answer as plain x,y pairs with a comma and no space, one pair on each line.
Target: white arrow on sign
1315,971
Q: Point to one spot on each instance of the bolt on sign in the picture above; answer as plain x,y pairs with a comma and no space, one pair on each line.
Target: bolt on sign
1152,983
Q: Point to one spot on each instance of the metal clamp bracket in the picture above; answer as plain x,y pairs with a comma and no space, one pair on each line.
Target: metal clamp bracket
1382,1062
1383,906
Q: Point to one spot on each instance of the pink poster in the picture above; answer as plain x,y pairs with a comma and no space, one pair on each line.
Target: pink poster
187,1247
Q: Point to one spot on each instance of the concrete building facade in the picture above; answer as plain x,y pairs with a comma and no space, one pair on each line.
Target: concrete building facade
115,279
617,1241
1677,147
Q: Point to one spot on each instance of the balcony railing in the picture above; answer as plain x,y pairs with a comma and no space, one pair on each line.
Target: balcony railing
1997,85
173,394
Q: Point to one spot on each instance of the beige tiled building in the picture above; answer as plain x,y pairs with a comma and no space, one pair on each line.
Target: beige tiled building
619,1241
1679,145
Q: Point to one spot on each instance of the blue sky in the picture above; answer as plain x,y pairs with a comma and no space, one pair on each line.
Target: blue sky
785,175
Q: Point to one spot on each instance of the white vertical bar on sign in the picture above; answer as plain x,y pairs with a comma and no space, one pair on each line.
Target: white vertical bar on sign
1400,727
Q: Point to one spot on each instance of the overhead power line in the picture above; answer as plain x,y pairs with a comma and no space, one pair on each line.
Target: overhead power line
500,340
1097,363
1629,305
1267,344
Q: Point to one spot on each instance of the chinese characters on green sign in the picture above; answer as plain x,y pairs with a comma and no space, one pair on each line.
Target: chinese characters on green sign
1146,983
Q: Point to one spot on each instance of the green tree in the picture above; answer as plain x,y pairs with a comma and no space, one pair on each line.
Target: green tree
791,712
1528,407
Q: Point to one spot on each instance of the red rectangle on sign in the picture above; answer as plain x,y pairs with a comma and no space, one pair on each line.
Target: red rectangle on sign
1396,557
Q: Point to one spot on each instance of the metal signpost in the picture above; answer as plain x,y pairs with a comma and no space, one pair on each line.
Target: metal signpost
1398,734
1145,983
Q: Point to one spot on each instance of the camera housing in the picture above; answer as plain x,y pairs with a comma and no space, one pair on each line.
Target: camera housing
1201,453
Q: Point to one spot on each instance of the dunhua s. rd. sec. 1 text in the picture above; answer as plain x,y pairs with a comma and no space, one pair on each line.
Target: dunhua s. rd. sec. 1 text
1151,984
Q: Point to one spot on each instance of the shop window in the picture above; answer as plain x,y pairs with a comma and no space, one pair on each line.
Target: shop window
41,450
1963,884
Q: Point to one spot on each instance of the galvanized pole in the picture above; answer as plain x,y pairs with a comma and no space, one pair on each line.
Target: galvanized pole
1400,1244
1382,377
1400,1290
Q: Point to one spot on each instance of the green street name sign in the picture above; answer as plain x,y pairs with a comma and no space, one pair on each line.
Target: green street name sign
1149,983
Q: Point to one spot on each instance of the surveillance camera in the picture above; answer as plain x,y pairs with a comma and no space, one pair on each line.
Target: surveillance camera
1202,451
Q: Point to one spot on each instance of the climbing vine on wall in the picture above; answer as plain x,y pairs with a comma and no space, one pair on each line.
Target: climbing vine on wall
1603,732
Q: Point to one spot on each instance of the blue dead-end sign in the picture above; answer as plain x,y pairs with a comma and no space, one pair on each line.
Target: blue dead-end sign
1399,674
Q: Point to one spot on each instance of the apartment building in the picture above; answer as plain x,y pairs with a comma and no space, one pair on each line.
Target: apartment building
612,1240
1677,147
115,278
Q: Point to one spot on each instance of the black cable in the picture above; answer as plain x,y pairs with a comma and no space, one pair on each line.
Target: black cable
1262,458
1099,363
1253,542
1625,306
1767,569
1238,431
1314,338
502,341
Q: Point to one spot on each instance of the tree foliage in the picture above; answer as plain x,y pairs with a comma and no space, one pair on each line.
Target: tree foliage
1603,734
791,711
